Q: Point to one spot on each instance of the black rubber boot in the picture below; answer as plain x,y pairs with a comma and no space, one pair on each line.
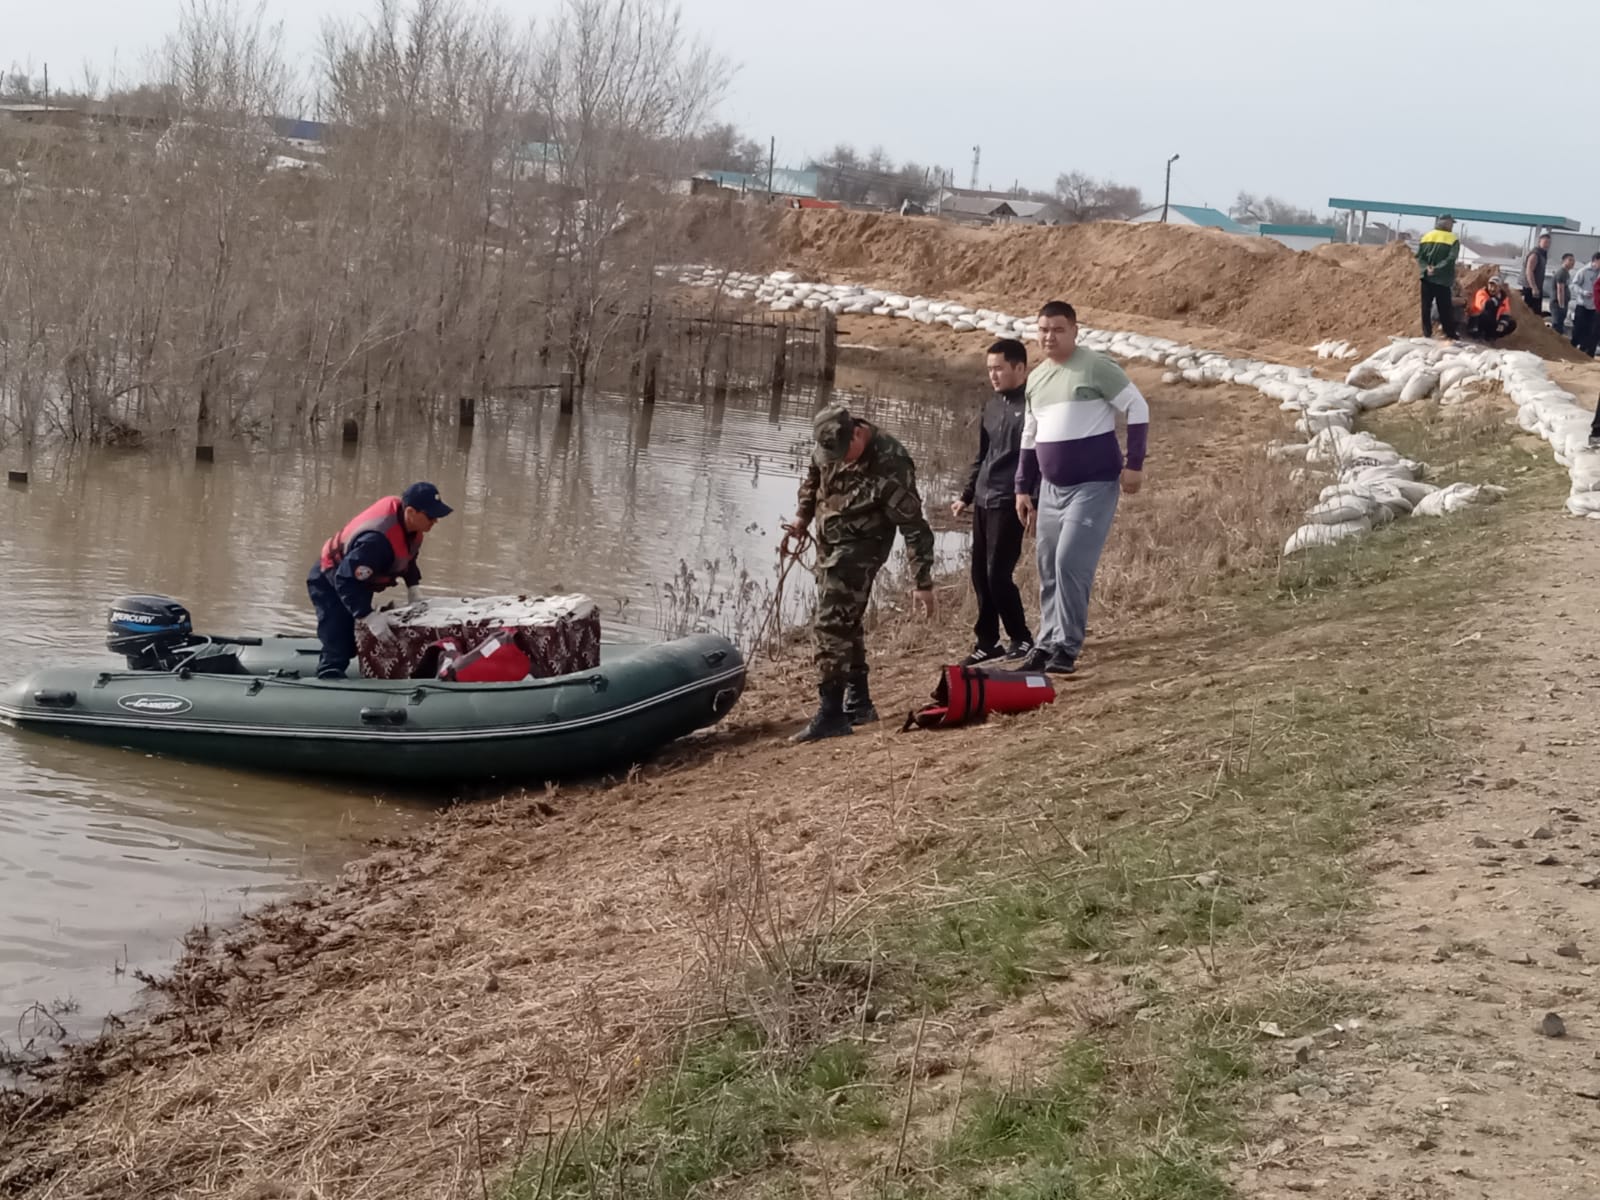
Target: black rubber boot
830,720
858,701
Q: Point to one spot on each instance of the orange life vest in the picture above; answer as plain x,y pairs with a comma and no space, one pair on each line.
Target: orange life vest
965,695
1482,300
387,517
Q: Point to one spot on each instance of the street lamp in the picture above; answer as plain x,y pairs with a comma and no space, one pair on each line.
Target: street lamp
1166,197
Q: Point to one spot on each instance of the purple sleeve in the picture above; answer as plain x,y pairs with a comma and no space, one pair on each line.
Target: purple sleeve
1138,436
1028,472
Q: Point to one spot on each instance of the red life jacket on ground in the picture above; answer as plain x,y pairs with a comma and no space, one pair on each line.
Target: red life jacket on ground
387,517
965,695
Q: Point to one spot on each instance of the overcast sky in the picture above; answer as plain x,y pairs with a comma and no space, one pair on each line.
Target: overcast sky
1270,96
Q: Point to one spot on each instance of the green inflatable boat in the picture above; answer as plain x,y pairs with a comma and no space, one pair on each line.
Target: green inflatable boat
256,702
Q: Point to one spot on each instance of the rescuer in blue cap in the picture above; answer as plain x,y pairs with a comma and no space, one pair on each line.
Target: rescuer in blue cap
376,550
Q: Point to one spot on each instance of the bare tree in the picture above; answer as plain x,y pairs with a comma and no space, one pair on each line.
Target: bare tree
1270,210
622,88
1085,198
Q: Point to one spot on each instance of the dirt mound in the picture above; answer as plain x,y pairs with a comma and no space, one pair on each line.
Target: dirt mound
1253,286
1531,334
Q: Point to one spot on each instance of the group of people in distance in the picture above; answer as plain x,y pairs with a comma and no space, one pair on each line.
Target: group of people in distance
1489,308
1574,293
1049,462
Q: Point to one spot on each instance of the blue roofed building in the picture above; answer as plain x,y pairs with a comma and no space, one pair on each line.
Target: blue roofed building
785,182
1194,215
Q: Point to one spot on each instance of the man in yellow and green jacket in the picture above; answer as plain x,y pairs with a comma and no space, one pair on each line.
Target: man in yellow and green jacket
1436,262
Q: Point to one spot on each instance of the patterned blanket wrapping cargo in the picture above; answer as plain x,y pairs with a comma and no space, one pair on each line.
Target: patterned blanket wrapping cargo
559,634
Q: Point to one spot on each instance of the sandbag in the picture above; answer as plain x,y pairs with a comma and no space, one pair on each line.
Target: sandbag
1309,536
1419,387
1380,396
1341,510
1456,497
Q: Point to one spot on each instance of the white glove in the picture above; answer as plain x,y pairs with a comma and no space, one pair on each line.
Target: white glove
413,594
379,624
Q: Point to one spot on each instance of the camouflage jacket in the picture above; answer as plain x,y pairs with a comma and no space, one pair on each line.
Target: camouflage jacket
859,506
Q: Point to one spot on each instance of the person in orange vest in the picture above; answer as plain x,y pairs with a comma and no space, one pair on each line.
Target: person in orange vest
1489,312
375,550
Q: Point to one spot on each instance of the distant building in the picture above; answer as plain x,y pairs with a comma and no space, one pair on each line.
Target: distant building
43,114
1299,237
994,208
781,181
1480,254
1192,215
977,210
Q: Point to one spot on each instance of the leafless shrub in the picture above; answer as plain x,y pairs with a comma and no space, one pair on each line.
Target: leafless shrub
177,267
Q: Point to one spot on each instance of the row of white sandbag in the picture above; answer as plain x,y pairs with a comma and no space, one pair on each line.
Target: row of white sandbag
1543,406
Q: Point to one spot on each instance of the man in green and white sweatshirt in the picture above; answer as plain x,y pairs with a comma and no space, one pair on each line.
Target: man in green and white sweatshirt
1436,262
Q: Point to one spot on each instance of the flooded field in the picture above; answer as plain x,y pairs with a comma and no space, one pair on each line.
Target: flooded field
107,857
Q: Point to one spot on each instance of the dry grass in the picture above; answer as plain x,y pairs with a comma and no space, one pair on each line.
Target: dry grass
452,1004
174,280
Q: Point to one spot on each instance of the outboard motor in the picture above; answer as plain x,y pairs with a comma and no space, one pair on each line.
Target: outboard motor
150,631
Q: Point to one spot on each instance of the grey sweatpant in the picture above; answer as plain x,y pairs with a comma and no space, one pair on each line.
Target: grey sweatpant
1074,523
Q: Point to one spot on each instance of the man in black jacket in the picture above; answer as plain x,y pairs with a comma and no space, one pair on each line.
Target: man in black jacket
990,495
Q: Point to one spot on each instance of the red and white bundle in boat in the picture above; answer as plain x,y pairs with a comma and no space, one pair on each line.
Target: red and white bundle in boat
439,638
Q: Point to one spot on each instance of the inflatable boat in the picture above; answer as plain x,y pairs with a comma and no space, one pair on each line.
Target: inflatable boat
256,702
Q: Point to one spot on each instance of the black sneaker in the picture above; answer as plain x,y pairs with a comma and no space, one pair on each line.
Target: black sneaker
984,654
1060,664
1038,659
1019,648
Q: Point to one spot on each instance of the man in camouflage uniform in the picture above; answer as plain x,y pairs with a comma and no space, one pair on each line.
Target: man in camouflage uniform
862,487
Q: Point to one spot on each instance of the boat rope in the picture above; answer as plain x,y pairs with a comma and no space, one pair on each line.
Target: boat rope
792,550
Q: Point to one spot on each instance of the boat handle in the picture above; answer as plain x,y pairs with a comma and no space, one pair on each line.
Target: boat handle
52,698
714,657
384,716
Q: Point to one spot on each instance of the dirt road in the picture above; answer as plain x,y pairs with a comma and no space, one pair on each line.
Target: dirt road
1486,920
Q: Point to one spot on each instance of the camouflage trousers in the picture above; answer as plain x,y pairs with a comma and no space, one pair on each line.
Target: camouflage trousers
843,590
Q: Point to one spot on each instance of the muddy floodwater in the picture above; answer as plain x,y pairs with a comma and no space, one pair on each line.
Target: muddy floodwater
107,857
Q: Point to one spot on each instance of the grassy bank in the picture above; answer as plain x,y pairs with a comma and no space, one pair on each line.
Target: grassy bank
1086,987
922,964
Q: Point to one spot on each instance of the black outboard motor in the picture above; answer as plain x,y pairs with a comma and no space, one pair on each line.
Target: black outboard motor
151,631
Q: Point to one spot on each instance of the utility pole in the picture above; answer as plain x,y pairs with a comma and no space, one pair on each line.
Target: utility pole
977,153
772,159
47,85
1166,196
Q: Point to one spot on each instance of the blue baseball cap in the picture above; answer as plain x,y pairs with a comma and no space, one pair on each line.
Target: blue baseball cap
424,497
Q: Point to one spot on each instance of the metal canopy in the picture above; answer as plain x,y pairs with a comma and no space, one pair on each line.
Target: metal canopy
1533,220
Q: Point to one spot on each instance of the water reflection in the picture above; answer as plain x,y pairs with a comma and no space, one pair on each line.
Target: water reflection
107,857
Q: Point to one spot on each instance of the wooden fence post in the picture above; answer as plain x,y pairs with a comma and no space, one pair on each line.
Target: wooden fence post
719,393
830,346
352,430
468,414
780,360
569,382
652,366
